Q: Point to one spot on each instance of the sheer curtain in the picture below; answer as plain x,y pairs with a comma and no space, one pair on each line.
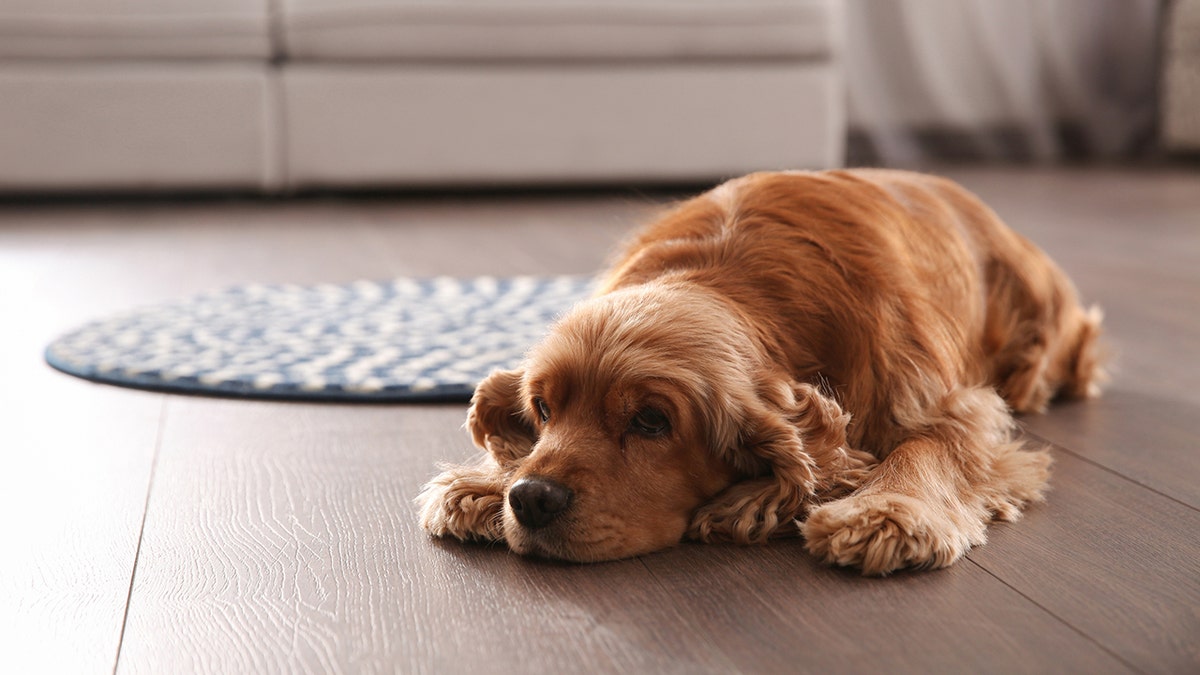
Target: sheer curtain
1015,79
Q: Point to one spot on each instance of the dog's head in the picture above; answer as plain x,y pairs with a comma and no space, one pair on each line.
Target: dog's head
639,407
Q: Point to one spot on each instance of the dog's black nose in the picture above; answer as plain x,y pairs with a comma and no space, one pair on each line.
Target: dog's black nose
537,501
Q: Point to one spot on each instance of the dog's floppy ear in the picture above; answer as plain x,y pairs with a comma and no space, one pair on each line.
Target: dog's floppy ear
793,438
497,417
802,437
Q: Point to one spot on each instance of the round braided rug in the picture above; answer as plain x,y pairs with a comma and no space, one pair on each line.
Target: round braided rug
400,340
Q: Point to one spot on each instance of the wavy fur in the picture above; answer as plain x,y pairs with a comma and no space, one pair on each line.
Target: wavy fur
834,350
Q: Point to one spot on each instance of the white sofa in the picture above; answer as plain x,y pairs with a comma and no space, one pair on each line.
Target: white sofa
278,95
1181,78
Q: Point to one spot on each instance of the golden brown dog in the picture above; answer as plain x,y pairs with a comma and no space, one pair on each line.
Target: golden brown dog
838,350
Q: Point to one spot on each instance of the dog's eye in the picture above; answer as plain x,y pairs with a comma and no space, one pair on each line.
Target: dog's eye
543,410
650,422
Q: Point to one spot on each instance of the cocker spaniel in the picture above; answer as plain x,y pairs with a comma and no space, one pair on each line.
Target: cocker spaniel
834,353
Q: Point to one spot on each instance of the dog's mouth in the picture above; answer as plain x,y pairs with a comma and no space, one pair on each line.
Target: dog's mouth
550,540
537,545
541,544
562,538
571,539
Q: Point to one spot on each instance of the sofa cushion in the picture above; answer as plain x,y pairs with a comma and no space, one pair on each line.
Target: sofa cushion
530,123
557,29
136,126
134,29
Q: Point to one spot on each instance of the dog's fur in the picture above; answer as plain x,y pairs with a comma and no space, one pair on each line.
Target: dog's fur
838,348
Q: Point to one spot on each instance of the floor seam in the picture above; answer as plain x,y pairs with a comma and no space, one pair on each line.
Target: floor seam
1098,465
137,554
1056,617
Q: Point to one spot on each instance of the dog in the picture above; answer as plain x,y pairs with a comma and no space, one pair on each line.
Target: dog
834,354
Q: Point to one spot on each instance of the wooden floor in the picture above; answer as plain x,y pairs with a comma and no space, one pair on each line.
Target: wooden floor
163,534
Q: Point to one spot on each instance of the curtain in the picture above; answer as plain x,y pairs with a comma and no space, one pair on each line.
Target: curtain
1002,79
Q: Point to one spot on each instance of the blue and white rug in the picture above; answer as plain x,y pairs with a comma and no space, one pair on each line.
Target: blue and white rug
401,340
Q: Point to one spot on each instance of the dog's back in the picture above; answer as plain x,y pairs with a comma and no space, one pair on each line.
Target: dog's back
889,287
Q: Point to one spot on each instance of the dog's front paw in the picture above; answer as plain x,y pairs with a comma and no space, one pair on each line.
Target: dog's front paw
750,512
464,503
881,533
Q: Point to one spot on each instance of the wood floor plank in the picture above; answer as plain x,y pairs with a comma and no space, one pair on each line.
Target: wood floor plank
1111,558
73,480
775,609
77,457
284,538
1151,441
75,463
